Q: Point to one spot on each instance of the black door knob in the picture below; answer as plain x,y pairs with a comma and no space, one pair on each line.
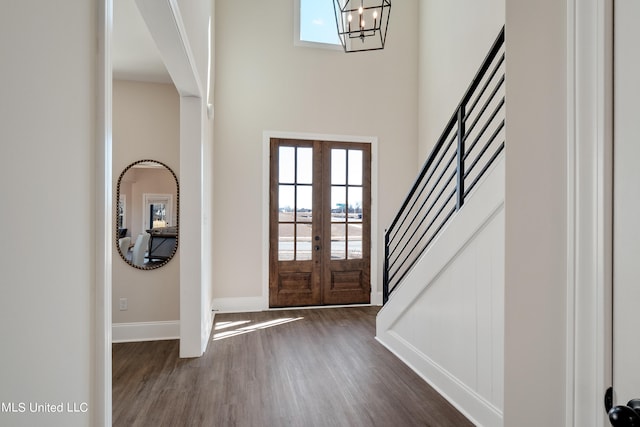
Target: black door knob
634,404
624,416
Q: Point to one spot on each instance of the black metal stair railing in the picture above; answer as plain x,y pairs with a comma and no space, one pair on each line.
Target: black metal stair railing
471,141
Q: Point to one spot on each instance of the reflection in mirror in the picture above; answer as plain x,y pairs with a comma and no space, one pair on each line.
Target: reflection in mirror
147,214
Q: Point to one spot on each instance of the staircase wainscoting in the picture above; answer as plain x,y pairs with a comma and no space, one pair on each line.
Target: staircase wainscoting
446,319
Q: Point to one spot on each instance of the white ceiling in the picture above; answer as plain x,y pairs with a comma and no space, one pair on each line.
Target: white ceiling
134,54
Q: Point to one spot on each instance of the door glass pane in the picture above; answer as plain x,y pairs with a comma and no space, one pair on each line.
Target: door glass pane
286,202
355,204
286,164
303,242
354,249
338,166
338,204
305,165
338,241
285,242
355,167
304,203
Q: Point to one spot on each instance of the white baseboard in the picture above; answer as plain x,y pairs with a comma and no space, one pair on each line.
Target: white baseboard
473,406
238,305
145,331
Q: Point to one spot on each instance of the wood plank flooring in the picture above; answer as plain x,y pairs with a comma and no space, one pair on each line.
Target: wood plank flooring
319,367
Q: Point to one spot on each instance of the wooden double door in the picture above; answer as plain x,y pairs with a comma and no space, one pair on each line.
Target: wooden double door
320,223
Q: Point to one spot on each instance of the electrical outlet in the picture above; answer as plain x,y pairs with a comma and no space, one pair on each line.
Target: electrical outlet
124,304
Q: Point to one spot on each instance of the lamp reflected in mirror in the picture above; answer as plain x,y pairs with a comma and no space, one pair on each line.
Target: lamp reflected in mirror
147,218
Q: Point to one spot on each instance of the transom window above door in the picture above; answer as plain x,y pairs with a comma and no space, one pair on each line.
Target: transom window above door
315,24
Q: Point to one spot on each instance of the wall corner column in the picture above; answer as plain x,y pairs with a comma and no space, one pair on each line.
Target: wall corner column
191,226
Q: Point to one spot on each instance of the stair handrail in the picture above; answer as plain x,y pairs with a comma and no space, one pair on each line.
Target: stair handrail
459,117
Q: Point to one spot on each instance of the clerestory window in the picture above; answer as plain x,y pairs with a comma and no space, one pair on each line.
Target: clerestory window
316,24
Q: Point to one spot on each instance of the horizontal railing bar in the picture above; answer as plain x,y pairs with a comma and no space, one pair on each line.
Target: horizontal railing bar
392,264
444,170
486,166
435,233
453,193
484,128
408,269
485,148
495,48
439,212
421,251
470,187
485,86
485,106
424,170
426,181
433,236
424,217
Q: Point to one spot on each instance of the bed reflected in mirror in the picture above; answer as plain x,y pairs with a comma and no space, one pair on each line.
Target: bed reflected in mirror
147,214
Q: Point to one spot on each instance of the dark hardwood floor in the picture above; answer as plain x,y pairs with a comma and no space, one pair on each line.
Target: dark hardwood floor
319,367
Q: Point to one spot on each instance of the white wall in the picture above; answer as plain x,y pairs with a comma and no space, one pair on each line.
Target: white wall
455,37
47,264
446,319
536,214
146,125
265,83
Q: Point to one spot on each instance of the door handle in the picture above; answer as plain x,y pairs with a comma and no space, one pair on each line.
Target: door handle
624,416
621,415
317,247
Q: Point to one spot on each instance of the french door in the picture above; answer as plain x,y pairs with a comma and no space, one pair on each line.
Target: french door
320,223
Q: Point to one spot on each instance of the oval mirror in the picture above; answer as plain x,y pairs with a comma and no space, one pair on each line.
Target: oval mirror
147,214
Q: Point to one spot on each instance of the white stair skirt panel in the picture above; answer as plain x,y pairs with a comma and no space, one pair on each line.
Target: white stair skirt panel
446,319
146,331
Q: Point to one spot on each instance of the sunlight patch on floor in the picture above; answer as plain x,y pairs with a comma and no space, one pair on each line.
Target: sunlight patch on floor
249,328
225,325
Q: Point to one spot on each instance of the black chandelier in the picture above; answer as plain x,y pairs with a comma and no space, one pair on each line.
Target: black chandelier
362,24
